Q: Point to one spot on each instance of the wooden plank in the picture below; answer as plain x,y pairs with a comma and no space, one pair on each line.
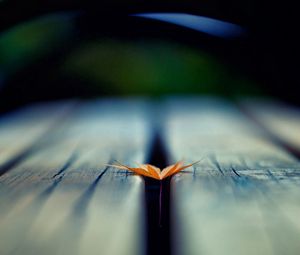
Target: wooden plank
243,197
24,130
65,200
281,120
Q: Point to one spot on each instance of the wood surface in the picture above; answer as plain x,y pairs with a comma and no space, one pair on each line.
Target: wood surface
243,197
64,199
24,130
58,196
280,119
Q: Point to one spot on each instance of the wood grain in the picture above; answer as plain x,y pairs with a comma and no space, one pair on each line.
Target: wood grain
25,130
281,120
243,197
65,200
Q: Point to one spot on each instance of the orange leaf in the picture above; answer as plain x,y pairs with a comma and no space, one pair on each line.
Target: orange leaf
153,171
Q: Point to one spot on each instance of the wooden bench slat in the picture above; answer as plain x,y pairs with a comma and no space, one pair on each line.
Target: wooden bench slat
21,130
243,197
65,200
281,120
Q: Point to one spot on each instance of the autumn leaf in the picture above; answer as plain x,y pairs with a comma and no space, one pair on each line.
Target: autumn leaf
153,171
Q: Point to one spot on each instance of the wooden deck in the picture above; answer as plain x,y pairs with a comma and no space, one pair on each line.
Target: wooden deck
58,196
243,197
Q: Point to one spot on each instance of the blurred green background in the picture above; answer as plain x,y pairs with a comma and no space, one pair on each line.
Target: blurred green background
67,54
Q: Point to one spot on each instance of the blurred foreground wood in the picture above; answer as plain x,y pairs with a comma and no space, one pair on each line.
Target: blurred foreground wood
58,196
64,199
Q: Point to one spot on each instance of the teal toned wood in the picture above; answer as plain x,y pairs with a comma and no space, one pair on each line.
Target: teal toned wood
58,196
64,199
243,197
24,130
280,120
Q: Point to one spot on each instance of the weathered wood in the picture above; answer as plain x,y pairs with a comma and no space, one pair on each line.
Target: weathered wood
24,130
64,199
281,120
243,197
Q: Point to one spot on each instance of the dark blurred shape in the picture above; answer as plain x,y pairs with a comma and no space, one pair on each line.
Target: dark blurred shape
153,67
30,41
93,49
